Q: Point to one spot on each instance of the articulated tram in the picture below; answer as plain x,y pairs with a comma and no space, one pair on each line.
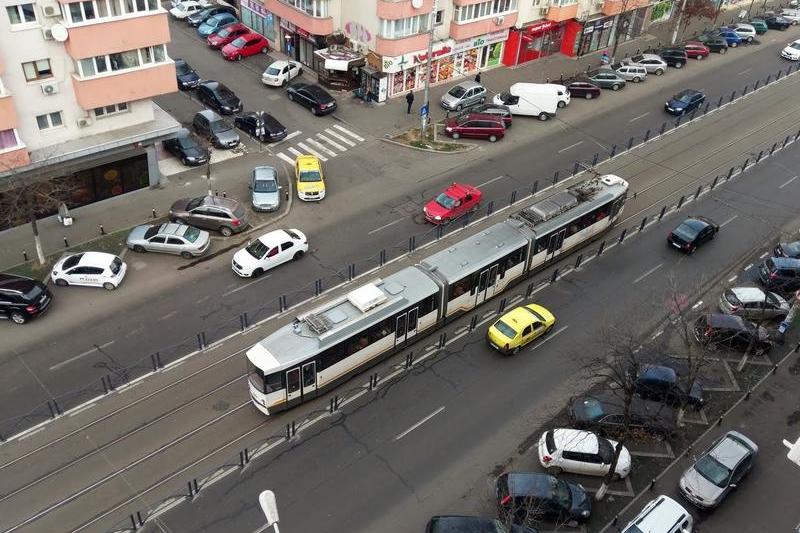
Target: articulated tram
347,335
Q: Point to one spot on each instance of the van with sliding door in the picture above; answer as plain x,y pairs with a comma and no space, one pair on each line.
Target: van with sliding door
533,99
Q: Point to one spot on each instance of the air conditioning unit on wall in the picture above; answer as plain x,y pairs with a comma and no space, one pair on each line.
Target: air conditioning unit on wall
84,122
49,88
51,11
499,20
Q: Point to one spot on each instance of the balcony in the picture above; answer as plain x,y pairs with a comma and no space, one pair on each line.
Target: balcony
398,47
14,159
117,35
136,84
301,19
401,9
559,13
468,30
8,115
614,7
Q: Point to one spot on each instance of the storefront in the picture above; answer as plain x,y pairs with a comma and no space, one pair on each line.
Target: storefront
449,60
631,23
595,35
539,39
598,34
300,45
340,68
260,20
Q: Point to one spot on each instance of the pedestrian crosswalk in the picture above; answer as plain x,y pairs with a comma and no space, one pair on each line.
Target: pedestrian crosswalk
326,144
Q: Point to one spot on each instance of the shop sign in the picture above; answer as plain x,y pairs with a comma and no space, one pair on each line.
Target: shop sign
285,24
607,24
441,49
482,40
303,33
374,60
540,26
597,25
396,64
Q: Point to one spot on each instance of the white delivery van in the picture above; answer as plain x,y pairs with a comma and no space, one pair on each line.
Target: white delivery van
533,99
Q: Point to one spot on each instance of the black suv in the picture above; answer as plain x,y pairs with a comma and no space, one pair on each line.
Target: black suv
662,383
22,299
218,97
527,497
731,331
780,274
674,57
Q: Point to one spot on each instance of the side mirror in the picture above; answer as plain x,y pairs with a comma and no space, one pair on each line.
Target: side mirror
733,485
280,187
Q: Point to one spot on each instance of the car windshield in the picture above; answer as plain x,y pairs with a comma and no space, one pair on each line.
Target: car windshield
257,249
116,264
505,329
238,43
265,186
309,176
272,71
796,46
536,315
792,249
224,93
686,231
445,201
457,91
191,234
194,203
219,126
151,231
292,234
224,32
683,97
605,450
592,409
712,470
561,494
186,141
183,69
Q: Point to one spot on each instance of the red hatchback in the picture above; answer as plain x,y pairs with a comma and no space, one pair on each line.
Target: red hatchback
246,45
226,35
457,199
476,126
696,50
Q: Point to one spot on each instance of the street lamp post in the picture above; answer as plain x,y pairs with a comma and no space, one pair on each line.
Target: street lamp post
270,507
425,104
678,23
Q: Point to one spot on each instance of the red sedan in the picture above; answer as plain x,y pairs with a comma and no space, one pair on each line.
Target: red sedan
456,200
696,50
246,45
226,35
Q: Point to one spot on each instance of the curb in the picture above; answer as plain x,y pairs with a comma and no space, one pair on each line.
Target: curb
468,147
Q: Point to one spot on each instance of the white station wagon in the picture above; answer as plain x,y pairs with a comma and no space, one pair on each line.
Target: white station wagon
268,251
91,269
580,452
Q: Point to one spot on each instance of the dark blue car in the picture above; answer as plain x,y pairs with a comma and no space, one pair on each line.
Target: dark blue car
187,77
215,23
684,102
731,37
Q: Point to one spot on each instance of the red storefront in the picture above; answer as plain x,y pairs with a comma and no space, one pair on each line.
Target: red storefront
538,39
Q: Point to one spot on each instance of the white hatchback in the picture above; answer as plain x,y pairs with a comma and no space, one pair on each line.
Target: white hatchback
280,73
581,452
269,251
189,7
792,51
91,269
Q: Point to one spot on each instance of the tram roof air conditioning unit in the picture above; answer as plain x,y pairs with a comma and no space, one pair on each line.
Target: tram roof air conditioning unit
51,11
499,20
84,122
49,88
366,297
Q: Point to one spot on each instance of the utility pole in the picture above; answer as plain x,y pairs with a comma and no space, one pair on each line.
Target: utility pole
425,104
678,23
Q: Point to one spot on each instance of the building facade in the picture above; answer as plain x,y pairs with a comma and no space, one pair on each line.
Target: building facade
76,82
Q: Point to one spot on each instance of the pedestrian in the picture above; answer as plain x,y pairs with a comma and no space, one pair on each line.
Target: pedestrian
409,101
478,77
604,59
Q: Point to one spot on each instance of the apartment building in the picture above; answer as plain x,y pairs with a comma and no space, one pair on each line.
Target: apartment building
76,82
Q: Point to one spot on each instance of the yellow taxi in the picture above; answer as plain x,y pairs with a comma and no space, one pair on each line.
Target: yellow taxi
520,326
309,178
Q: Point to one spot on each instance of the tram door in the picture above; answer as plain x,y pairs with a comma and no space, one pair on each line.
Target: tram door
486,282
406,326
293,389
301,381
556,241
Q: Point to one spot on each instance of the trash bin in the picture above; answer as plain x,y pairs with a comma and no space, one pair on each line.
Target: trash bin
64,215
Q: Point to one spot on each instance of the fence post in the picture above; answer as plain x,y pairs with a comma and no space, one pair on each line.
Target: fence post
663,128
578,261
613,150
680,202
622,235
555,177
513,197
644,223
663,212
630,143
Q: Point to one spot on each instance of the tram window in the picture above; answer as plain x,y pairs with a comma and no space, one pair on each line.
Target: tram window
331,356
428,305
274,382
542,243
460,287
379,330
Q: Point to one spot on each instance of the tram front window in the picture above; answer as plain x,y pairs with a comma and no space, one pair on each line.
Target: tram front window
256,376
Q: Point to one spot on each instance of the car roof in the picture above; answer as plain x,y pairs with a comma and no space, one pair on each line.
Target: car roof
308,162
220,201
468,84
458,189
274,238
786,262
659,372
483,116
518,318
651,56
729,451
211,84
657,516
279,63
748,294
172,229
530,484
95,259
209,114
13,282
265,173
576,440
720,320
689,92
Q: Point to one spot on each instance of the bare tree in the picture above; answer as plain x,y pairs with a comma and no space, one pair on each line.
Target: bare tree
690,10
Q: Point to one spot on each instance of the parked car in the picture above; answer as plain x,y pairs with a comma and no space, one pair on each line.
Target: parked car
186,147
261,126
215,23
583,89
674,57
787,249
280,73
265,194
730,331
715,43
90,269
218,97
527,497
453,202
215,128
698,50
684,102
246,45
225,215
753,303
226,35
178,239
22,299
189,7
519,327
790,14
780,273
719,470
500,111
309,179
632,73
760,25
475,126
472,524
792,51
651,62
268,251
661,515
606,79
692,233
604,412
776,22
195,19
731,37
581,452
313,97
661,383
464,94
186,75
746,32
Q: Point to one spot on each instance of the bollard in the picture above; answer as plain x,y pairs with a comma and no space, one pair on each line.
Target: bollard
759,156
473,323
25,255
105,387
797,136
772,150
778,75
643,224
680,202
351,272
744,92
224,194
663,128
730,171
554,277
769,76
647,136
630,143
318,285
383,257
154,212
412,243
286,195
733,95
502,306
714,183
555,177
578,261
102,230
705,110
774,371
622,235
613,150
678,121
744,167
755,86
294,429
191,491
442,340
747,394
66,242
153,362
694,112
529,291
575,168
786,140
719,103
216,192
652,484
601,248
699,190
596,157
513,197
490,208
719,421
663,212
535,188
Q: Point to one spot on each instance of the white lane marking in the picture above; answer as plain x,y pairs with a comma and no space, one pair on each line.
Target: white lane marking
698,304
332,143
748,267
418,424
640,116
287,138
312,152
657,334
762,256
173,313
348,132
203,299
549,337
240,287
295,151
734,217
343,139
731,279
84,354
640,278
745,71
570,146
376,230
321,146
485,183
286,158
788,182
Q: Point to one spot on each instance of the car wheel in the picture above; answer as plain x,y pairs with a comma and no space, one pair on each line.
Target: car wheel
492,138
749,39
636,79
61,282
455,135
314,111
543,116
186,255
659,72
691,250
109,286
723,50
699,57
18,317
794,23
284,83
515,351
257,272
297,255
562,104
139,249
226,231
678,64
291,97
459,107
265,50
184,162
588,96
733,45
554,470
615,87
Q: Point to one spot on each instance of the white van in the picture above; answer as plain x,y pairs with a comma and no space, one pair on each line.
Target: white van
533,99
662,515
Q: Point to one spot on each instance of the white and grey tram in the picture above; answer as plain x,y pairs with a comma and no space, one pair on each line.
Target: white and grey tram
347,335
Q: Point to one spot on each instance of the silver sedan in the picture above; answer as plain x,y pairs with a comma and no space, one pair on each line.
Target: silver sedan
178,239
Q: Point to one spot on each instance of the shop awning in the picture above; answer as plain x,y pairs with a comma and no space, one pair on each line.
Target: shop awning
341,59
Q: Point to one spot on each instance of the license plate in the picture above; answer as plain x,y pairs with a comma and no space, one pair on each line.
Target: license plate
676,245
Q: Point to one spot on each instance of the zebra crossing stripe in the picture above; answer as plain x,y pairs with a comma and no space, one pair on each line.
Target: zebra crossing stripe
294,151
348,132
320,146
343,139
285,158
312,152
335,145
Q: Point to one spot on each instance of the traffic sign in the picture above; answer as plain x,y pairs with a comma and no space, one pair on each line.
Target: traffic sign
423,111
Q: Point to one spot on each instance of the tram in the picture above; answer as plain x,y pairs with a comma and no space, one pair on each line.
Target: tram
344,336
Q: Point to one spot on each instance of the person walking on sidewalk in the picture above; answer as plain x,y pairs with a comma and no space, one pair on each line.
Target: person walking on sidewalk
478,77
409,101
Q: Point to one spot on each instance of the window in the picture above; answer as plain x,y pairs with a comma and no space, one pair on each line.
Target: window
37,70
396,29
315,8
8,139
21,14
49,120
439,20
124,60
484,9
113,109
460,287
